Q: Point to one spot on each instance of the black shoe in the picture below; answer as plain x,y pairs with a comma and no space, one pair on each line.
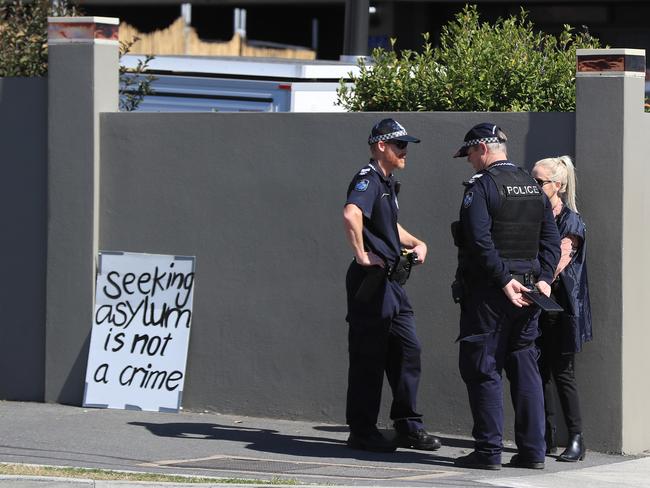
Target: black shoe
475,460
575,451
519,462
372,441
551,439
418,439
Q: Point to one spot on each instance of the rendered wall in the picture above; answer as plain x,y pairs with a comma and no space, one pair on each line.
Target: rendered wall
611,129
23,139
257,198
83,81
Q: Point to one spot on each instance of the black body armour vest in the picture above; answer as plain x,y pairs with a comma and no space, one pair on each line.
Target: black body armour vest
516,226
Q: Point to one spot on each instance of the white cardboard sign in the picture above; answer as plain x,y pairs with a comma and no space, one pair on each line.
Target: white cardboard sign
141,331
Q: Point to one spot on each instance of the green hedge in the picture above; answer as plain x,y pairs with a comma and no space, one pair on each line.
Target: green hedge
505,66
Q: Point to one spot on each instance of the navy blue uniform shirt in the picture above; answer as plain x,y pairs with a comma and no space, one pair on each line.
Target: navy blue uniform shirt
375,195
482,200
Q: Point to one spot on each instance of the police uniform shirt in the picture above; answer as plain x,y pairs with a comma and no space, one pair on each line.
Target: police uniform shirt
376,197
482,200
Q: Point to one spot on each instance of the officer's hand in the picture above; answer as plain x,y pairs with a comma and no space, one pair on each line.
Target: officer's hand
513,291
544,288
369,259
421,250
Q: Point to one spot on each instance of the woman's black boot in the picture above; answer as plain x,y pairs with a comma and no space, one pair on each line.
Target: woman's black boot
551,440
575,450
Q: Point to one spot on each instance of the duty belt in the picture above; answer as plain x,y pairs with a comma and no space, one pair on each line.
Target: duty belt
527,279
401,271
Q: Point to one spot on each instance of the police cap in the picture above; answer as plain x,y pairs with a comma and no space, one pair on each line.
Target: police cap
389,130
486,132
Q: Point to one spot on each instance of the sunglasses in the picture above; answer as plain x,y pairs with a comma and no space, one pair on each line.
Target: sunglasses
398,144
542,182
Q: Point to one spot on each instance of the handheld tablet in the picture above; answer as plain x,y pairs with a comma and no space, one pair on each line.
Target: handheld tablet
542,301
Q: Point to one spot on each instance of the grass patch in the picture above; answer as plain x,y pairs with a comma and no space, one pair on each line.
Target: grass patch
106,474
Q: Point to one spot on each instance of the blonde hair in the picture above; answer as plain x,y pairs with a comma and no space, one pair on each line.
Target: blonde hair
561,170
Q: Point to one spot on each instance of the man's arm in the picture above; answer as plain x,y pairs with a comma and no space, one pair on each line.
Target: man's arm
477,230
412,243
353,223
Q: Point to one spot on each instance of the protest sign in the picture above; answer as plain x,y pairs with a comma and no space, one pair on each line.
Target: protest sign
140,332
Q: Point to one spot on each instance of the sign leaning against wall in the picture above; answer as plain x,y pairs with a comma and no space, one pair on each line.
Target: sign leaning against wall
140,333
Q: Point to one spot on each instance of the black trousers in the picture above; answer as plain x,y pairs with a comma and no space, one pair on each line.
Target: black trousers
381,340
558,373
496,335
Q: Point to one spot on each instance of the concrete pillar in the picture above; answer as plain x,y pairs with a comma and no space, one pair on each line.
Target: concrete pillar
611,130
83,80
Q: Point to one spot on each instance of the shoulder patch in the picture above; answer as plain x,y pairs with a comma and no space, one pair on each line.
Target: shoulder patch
467,199
362,185
364,171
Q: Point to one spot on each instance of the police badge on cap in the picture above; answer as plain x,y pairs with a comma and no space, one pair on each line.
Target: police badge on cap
486,132
389,130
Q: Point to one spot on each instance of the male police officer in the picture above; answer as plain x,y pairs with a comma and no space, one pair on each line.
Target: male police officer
508,242
381,324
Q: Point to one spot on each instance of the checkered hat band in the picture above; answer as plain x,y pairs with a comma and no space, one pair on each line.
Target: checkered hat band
386,137
486,140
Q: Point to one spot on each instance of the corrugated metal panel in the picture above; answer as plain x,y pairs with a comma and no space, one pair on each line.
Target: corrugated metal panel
204,84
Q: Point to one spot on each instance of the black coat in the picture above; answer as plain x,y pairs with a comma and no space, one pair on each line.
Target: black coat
573,290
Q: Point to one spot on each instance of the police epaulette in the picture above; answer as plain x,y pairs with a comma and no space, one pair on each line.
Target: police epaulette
472,180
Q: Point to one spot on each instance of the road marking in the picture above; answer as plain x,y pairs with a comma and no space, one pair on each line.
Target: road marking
401,473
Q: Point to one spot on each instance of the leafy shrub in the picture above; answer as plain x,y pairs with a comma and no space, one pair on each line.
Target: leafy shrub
134,83
478,66
23,35
23,46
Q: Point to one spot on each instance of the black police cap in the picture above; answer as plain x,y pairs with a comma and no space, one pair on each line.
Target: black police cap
389,130
486,132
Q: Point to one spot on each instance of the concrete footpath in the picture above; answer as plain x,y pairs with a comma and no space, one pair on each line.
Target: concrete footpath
229,446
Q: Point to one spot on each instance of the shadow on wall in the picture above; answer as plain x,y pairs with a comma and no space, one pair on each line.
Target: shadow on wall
73,388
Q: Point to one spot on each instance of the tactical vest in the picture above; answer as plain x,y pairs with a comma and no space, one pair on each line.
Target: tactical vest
516,226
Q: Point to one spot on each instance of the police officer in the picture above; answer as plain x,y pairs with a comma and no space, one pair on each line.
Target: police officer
508,242
381,331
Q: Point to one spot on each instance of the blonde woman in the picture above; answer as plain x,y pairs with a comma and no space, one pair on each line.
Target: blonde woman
564,333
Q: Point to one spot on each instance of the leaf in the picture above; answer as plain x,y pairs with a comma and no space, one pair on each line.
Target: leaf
503,66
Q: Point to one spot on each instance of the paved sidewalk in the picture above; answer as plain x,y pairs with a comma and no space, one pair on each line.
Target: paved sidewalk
228,446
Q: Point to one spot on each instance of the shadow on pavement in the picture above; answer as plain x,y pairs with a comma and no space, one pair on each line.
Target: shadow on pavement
267,440
332,428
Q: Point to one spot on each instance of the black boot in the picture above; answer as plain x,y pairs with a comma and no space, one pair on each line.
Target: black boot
418,439
551,439
372,440
575,451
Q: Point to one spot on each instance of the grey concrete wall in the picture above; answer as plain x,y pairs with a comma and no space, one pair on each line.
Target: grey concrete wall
637,431
604,227
83,80
615,204
257,198
23,137
636,268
